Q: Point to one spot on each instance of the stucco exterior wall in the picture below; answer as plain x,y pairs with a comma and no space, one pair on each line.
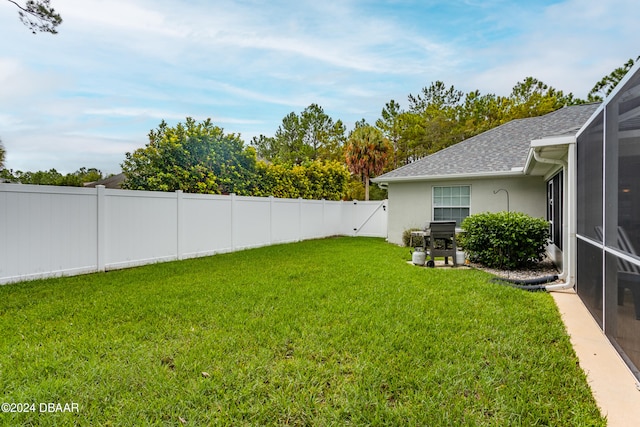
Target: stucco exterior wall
410,203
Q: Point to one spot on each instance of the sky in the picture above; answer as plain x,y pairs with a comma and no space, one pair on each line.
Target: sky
91,93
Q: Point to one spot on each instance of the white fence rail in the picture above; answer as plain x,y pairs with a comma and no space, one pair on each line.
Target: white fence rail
52,231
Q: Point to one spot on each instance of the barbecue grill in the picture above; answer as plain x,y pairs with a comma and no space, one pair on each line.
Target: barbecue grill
439,241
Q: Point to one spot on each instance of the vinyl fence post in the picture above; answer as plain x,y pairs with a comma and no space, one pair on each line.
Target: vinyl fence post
271,200
232,225
324,218
179,226
299,219
101,243
354,220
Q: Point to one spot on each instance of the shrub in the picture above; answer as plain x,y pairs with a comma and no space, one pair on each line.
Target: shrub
312,180
417,241
507,240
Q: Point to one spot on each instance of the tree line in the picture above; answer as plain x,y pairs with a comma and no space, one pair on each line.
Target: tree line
51,177
313,147
311,154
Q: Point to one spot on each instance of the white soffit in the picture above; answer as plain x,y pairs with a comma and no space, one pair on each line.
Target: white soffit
555,147
554,141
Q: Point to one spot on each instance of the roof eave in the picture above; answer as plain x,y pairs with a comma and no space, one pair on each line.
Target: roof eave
514,172
539,144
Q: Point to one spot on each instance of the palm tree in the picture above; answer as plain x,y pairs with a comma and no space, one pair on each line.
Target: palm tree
366,154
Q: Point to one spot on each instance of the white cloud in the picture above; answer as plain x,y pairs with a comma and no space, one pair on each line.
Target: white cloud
570,47
116,15
67,152
136,112
18,82
118,67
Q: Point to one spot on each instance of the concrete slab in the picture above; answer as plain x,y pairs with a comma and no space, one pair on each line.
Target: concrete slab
613,385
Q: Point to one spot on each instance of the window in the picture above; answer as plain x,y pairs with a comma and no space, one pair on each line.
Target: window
554,208
451,203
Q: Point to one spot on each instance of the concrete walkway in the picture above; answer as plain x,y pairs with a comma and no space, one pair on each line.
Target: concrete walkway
613,385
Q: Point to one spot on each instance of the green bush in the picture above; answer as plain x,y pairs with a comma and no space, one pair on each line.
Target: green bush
417,241
313,180
507,240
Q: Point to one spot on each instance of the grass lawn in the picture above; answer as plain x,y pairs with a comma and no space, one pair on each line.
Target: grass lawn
338,331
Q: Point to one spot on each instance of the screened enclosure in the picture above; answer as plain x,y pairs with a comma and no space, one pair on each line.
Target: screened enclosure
608,219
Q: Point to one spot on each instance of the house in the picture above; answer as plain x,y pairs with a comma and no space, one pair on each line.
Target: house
578,167
113,181
491,172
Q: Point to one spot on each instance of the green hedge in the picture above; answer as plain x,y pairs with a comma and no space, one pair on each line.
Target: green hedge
314,180
507,240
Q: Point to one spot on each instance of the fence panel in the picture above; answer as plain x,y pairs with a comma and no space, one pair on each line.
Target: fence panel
312,219
45,231
140,227
333,213
48,231
251,222
285,224
205,222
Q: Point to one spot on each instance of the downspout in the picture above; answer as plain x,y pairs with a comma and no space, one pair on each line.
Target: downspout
567,275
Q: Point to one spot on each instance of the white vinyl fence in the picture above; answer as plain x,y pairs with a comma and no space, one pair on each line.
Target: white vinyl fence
50,231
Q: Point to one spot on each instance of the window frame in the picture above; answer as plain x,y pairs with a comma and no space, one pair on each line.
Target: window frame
555,208
435,206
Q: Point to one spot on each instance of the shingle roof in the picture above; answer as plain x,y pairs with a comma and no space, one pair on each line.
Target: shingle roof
500,149
114,181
